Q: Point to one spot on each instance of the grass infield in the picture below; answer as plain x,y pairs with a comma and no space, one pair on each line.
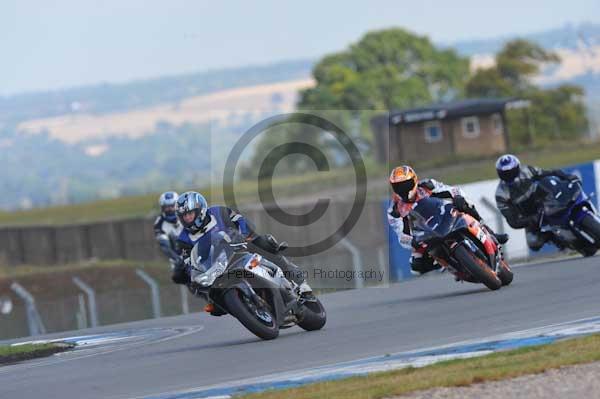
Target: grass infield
452,373
13,354
11,272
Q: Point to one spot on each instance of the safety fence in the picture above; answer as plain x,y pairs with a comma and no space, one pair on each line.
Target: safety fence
26,308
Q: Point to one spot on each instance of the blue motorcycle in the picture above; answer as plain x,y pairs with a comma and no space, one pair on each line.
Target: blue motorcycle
569,215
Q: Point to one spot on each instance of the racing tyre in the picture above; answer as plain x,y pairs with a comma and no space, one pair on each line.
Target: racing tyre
505,274
590,225
477,268
257,320
313,315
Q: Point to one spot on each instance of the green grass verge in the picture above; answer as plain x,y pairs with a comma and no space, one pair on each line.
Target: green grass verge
12,354
451,171
147,205
29,270
453,373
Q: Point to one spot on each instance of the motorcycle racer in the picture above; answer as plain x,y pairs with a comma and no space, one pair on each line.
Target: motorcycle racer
200,221
167,227
407,190
516,198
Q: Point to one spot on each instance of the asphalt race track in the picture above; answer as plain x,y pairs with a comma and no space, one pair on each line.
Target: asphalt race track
197,350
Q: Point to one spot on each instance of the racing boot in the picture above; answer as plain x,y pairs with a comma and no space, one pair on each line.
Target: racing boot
213,310
501,238
305,291
421,263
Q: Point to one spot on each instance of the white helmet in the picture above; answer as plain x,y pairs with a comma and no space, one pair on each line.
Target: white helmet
168,202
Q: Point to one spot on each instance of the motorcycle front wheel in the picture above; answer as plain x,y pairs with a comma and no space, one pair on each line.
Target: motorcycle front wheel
477,268
258,320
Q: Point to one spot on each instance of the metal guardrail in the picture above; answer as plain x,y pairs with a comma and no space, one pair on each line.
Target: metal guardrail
91,297
185,307
34,321
154,290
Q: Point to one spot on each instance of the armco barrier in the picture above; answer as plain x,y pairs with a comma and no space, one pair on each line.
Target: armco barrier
39,245
133,239
49,245
71,244
11,251
138,245
106,240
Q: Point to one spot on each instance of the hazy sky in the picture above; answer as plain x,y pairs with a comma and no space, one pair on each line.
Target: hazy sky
49,44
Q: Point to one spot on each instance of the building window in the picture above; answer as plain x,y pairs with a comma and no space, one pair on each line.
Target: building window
433,132
497,126
470,127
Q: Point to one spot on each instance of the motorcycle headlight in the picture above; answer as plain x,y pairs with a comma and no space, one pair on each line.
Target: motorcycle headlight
218,268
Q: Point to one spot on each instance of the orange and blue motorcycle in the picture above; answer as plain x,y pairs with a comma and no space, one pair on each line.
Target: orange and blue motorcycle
459,243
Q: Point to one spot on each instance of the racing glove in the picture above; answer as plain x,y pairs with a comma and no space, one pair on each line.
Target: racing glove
460,203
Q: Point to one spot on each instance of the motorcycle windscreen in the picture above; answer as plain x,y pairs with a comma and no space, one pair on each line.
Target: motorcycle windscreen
220,246
205,271
432,218
559,194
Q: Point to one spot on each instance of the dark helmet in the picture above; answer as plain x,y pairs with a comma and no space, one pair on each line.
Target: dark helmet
193,202
508,167
168,202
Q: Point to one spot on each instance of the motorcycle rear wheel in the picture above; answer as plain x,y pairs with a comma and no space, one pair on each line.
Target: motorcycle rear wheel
477,268
313,316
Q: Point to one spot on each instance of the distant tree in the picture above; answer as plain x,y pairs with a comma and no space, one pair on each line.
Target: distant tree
386,69
517,62
489,83
557,113
554,114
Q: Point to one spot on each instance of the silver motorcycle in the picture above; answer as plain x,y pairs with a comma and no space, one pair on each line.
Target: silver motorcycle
252,289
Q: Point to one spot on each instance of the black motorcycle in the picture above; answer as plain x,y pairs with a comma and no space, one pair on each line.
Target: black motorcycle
567,213
254,290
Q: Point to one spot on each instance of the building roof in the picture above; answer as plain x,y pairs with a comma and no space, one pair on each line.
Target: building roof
453,109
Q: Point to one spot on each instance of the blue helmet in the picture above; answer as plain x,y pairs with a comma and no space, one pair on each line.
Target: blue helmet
168,202
192,202
508,167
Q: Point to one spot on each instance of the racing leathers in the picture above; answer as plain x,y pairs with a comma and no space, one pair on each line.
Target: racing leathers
518,202
421,262
166,234
225,219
